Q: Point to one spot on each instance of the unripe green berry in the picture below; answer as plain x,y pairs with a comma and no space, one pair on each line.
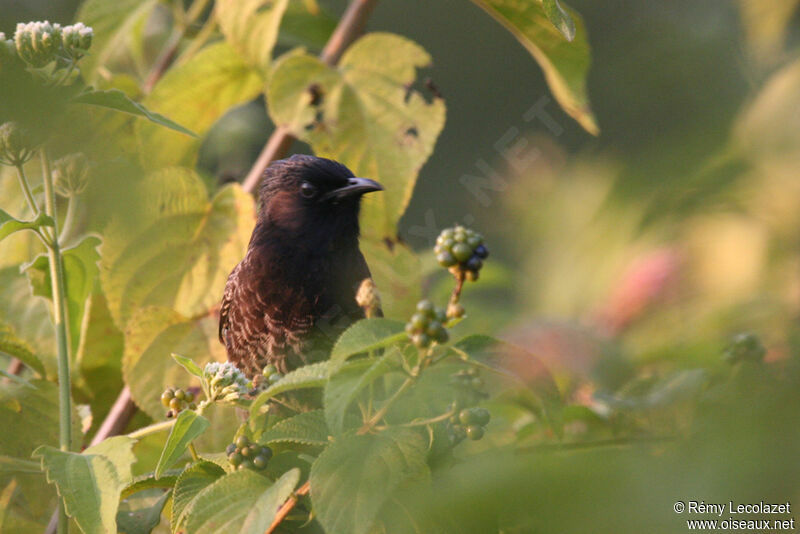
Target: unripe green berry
433,328
441,315
467,417
459,433
462,252
426,308
246,451
188,396
454,420
268,370
419,321
474,432
441,335
235,458
473,241
180,394
175,404
242,442
246,464
410,329
481,416
446,258
192,406
166,397
447,233
259,462
421,340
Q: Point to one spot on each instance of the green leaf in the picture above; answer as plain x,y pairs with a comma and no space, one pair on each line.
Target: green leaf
307,428
152,334
80,273
503,358
9,465
196,478
308,376
9,225
565,64
344,386
195,94
397,272
362,114
560,18
149,481
113,22
119,451
363,336
188,364
242,502
89,485
14,347
118,101
353,478
251,27
141,513
173,248
187,427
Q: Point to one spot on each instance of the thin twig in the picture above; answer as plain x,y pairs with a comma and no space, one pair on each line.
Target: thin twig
284,510
350,26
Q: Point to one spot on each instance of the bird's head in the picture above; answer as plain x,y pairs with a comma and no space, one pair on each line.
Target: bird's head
304,195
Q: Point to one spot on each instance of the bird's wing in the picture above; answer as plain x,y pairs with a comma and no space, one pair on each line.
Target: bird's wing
227,298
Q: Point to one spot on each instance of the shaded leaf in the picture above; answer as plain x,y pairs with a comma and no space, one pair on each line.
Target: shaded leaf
141,513
15,347
344,386
80,274
239,502
517,365
251,27
363,336
308,428
356,475
195,94
191,482
397,272
182,257
362,114
113,23
30,318
9,225
565,64
187,427
118,101
308,376
149,481
305,25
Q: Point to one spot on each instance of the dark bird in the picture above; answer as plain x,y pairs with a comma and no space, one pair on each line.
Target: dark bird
295,289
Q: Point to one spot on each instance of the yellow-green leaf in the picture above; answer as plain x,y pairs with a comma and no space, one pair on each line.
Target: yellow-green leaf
251,27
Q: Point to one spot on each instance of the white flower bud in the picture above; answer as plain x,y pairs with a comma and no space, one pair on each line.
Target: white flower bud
71,174
16,146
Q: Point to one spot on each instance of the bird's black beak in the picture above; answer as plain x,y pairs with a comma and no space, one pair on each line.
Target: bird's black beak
355,186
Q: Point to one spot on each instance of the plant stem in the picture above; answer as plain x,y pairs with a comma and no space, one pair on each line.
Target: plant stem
284,510
69,221
193,452
349,28
60,322
34,207
388,404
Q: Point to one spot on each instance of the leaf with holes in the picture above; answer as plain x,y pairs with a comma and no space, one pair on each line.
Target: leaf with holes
565,64
363,114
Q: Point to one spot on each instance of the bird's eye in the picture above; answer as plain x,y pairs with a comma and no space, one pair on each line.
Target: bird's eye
308,190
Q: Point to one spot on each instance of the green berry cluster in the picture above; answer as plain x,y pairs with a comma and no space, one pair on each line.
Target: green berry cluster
270,372
427,325
461,250
469,423
242,454
177,399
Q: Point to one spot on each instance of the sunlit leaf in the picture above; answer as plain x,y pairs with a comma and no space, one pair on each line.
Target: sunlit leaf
243,502
356,475
307,428
194,94
188,364
251,27
565,64
187,427
189,484
308,376
182,256
363,114
364,336
119,451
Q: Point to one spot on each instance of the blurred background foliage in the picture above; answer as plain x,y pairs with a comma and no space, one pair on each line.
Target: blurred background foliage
626,260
